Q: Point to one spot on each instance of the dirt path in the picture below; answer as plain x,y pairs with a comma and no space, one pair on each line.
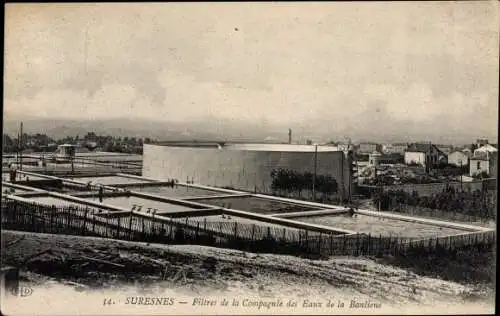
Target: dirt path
194,269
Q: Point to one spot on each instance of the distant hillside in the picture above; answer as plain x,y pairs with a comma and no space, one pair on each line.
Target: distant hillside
202,130
240,130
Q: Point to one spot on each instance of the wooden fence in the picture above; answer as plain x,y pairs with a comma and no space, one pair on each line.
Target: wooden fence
33,217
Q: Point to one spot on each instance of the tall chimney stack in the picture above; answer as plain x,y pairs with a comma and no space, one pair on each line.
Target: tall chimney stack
289,135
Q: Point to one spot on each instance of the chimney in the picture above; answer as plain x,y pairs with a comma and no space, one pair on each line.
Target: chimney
289,135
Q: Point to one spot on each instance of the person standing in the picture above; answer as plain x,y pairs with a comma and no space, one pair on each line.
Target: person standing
101,194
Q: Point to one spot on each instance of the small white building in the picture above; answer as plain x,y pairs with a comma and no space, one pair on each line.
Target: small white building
485,149
424,154
374,158
395,148
66,152
366,148
459,158
486,163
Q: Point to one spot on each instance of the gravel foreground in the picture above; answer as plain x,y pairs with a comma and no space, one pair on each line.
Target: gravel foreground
94,266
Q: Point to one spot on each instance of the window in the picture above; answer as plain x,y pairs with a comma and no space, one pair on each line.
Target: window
479,165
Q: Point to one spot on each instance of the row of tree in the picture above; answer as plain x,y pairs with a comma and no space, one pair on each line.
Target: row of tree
290,181
41,142
479,202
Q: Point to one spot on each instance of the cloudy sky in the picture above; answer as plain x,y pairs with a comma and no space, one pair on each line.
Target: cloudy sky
339,64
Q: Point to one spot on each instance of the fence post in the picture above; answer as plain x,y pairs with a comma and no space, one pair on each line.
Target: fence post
143,227
130,226
357,245
119,228
235,230
85,221
307,241
197,231
69,218
344,244
52,214
331,243
253,233
93,224
319,242
107,231
33,226
171,229
369,248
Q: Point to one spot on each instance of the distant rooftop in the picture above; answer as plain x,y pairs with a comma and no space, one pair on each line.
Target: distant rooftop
422,147
250,146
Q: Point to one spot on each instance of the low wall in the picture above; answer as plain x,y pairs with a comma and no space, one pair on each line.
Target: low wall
435,213
434,188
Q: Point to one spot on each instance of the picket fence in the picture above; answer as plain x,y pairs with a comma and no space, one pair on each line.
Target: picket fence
34,217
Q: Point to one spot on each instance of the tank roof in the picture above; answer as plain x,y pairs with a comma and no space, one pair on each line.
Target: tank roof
251,146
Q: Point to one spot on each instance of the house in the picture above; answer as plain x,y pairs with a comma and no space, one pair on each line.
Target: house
424,154
368,147
467,150
481,151
394,158
481,142
446,149
395,148
344,147
459,158
484,163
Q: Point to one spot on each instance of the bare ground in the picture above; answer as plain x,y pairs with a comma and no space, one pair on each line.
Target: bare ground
195,269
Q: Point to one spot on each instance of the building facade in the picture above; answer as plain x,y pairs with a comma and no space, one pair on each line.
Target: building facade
458,158
487,164
485,149
424,154
446,149
395,148
367,148
245,167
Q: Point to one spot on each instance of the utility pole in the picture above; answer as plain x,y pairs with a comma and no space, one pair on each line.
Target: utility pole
350,168
314,173
461,176
21,147
18,149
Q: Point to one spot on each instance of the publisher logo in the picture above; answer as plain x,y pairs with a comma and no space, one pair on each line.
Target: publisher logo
22,291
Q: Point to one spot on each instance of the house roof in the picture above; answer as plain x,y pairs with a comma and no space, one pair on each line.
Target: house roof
485,156
421,147
397,144
466,153
251,146
487,147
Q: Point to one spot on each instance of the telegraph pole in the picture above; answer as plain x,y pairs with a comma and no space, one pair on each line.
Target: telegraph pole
21,147
349,156
314,173
461,176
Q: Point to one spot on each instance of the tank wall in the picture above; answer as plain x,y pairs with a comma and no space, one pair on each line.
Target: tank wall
240,169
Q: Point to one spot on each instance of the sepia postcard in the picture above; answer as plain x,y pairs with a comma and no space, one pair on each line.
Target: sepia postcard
250,158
